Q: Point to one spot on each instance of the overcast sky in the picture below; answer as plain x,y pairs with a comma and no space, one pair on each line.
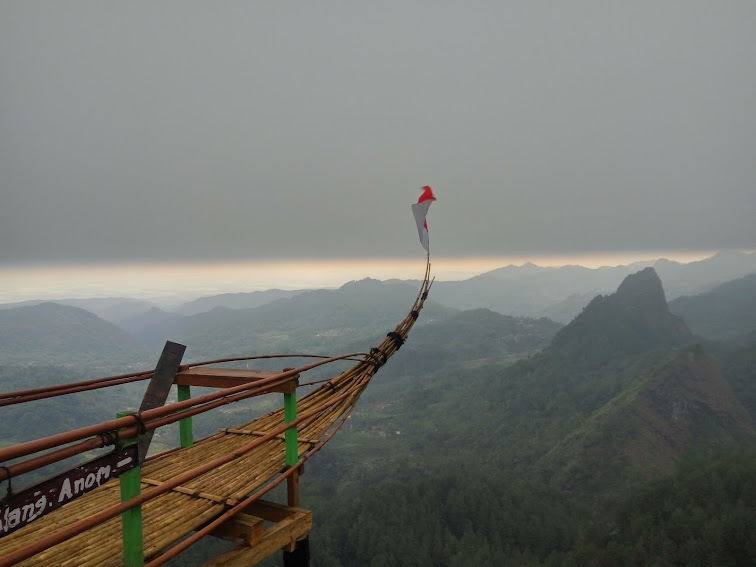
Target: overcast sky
221,130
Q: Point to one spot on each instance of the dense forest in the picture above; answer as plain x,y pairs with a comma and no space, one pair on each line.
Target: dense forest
703,515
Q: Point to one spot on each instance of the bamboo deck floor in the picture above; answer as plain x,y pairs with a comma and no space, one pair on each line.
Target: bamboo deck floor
170,517
175,514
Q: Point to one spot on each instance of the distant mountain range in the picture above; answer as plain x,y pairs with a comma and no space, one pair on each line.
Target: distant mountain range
560,293
326,319
320,321
233,301
113,309
528,290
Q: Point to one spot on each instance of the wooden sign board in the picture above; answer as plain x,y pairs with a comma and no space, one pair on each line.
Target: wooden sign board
36,501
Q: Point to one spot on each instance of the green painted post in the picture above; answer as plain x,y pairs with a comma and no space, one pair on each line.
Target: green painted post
131,519
290,414
185,425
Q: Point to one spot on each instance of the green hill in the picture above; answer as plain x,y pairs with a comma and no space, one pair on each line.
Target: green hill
616,391
62,335
474,337
633,320
727,312
319,321
679,408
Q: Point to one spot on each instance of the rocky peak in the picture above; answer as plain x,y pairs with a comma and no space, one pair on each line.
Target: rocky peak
642,286
644,291
633,319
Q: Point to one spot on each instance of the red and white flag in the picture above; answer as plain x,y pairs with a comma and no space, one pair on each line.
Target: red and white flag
420,210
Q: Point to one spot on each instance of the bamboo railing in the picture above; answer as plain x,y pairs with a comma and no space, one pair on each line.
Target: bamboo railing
189,492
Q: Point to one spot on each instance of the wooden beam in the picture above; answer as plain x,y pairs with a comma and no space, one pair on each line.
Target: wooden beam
294,525
159,388
272,511
213,377
292,488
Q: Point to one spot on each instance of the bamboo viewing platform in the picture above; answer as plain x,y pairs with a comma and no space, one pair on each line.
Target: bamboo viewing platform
213,486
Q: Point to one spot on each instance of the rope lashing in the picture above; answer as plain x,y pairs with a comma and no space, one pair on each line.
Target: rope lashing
378,362
397,338
142,429
109,438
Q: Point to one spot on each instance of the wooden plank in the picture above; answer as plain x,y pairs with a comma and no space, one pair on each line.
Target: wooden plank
159,388
243,529
272,511
282,535
190,492
213,377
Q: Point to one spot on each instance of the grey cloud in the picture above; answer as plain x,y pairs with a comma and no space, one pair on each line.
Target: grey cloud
181,130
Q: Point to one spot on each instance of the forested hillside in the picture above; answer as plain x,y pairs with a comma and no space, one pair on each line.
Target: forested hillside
619,438
726,312
554,452
312,321
62,335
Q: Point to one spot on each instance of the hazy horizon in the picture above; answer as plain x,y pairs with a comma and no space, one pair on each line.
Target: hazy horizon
175,282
